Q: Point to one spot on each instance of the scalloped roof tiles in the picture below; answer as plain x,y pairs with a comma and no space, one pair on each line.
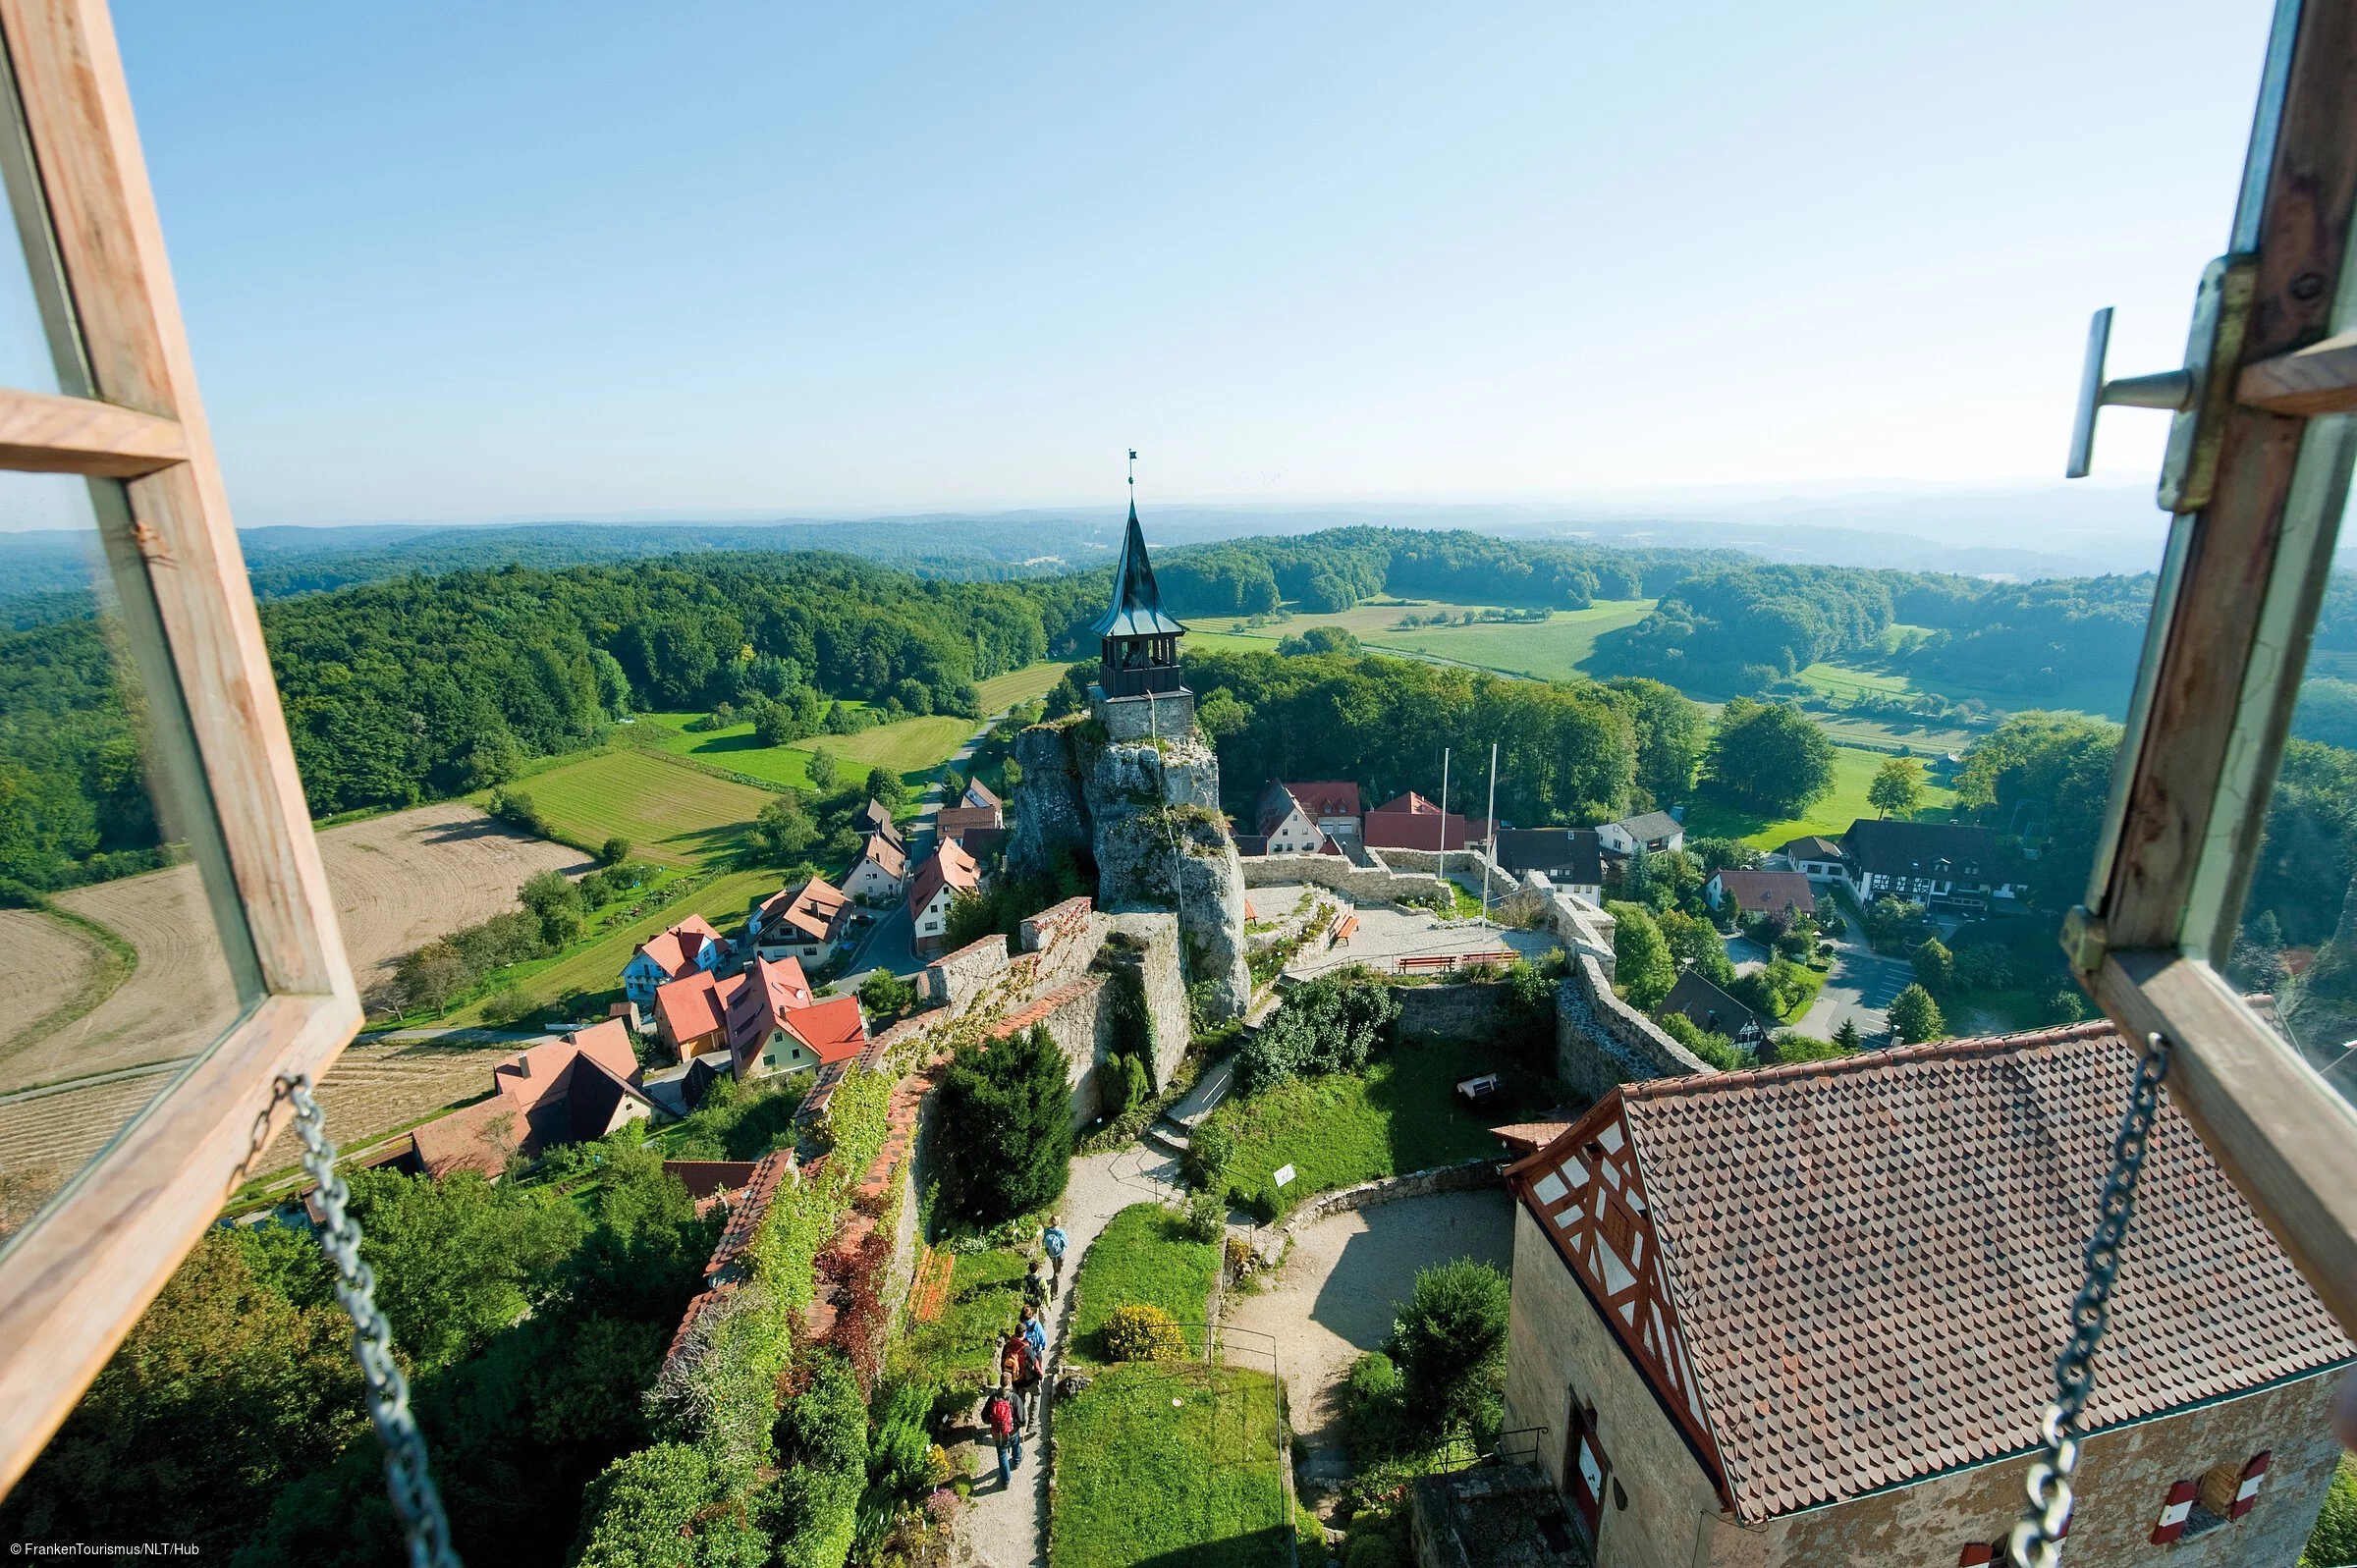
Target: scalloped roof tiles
1873,1259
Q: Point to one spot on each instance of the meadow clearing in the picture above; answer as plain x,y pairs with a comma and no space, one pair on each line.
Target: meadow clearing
1853,771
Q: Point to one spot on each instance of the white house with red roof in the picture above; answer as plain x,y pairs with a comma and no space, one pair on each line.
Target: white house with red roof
937,883
685,949
1808,1314
565,1091
881,872
1412,822
762,1021
803,923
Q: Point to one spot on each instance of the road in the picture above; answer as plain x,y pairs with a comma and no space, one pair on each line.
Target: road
1860,989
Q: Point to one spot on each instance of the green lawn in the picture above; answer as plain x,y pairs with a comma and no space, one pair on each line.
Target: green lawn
1555,649
1001,692
1172,1463
913,748
1853,771
1400,1115
673,816
2105,698
590,976
1144,1255
961,1346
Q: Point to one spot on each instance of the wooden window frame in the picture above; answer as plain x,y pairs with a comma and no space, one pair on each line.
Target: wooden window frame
2257,476
76,1277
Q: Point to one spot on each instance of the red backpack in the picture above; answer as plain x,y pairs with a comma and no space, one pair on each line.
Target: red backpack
999,1415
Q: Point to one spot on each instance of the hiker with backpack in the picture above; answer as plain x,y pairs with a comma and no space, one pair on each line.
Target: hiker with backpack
1035,1289
1015,1376
1053,1241
999,1416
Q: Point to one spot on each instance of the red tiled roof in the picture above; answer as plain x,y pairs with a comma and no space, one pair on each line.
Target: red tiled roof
1760,892
1870,1262
814,910
744,1221
1522,1137
951,866
956,822
532,1105
888,857
1412,822
691,1006
1325,797
834,1029
675,950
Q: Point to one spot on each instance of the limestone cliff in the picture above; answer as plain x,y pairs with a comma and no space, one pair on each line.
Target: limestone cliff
1143,818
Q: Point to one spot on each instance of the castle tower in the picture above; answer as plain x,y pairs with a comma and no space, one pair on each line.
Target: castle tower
1139,691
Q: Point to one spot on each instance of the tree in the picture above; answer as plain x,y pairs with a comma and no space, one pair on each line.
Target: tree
1636,880
1935,967
885,785
615,850
1697,944
432,975
1330,1025
1671,733
1641,961
1715,1049
1769,757
1005,1127
557,903
1845,1034
457,1259
1450,1344
1897,787
1915,1017
821,768
886,995
1321,639
783,830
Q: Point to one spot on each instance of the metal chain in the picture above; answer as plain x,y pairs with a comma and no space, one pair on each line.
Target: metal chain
407,1479
2037,1541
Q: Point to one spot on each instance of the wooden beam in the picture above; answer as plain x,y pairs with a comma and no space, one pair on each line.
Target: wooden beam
2288,1142
44,434
2316,380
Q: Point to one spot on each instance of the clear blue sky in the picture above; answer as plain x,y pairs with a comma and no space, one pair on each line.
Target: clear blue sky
463,261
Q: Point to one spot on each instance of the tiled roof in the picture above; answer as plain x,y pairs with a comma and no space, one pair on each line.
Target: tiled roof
1649,826
888,857
834,1029
950,866
813,911
978,793
1571,852
876,816
1767,890
1812,846
744,1221
1939,851
1325,797
1873,1259
1412,822
674,950
691,1006
1709,1009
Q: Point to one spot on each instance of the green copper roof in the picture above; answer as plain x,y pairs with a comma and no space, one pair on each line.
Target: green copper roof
1136,610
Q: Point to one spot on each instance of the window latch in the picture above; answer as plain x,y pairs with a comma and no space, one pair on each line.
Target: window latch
2221,313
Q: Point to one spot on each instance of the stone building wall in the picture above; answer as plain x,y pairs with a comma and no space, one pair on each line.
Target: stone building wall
1557,1344
1601,1041
956,978
1079,1019
1163,985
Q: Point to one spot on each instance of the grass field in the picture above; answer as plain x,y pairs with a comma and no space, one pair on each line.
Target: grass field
672,816
1001,692
1400,1115
961,1346
1173,1463
1144,1255
1551,650
592,974
1853,771
734,748
2104,698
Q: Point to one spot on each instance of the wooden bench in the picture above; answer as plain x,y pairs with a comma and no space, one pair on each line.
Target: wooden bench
1415,964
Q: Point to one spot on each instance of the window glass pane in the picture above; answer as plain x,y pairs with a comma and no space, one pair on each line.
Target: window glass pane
121,974
2296,942
35,328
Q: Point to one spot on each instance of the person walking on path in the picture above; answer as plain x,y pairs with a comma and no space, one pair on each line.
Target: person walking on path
1014,1359
1036,1334
1035,1341
1053,1240
1035,1289
998,1414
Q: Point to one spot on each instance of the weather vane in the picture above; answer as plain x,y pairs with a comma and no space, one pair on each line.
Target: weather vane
1134,470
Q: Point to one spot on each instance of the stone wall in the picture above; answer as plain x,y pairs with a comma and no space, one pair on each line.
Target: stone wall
1464,1176
1468,1010
2121,1484
1601,1041
1164,986
1079,1019
1362,884
1583,928
1140,717
956,978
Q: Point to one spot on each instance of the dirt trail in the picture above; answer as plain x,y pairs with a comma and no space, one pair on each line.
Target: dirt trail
52,961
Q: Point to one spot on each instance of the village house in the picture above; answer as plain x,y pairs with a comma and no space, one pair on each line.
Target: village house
978,796
1807,1316
762,1021
1816,857
939,880
880,872
1294,819
876,818
1701,1002
567,1091
803,923
686,948
1946,866
1658,831
1572,859
1761,892
1412,822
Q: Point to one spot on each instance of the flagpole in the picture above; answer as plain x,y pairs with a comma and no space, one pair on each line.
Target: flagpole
1445,826
1491,827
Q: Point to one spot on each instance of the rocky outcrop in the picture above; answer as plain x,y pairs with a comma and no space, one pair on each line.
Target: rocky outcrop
1143,817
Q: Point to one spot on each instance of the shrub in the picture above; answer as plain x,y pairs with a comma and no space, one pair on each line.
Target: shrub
1210,1149
1935,966
1715,1049
1206,1216
1374,1415
1329,1025
1371,1548
1641,960
1142,1332
515,808
1451,1341
615,850
1915,1017
886,995
1005,1127
1788,1047
2335,1538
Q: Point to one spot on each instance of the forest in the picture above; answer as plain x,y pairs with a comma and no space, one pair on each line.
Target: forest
419,687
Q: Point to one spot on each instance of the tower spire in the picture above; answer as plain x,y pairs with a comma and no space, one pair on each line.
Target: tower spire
1132,484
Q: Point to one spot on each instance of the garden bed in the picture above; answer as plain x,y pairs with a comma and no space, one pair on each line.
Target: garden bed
959,1348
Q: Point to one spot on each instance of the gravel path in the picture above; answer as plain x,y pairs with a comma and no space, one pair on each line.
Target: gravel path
1004,1528
1334,1297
